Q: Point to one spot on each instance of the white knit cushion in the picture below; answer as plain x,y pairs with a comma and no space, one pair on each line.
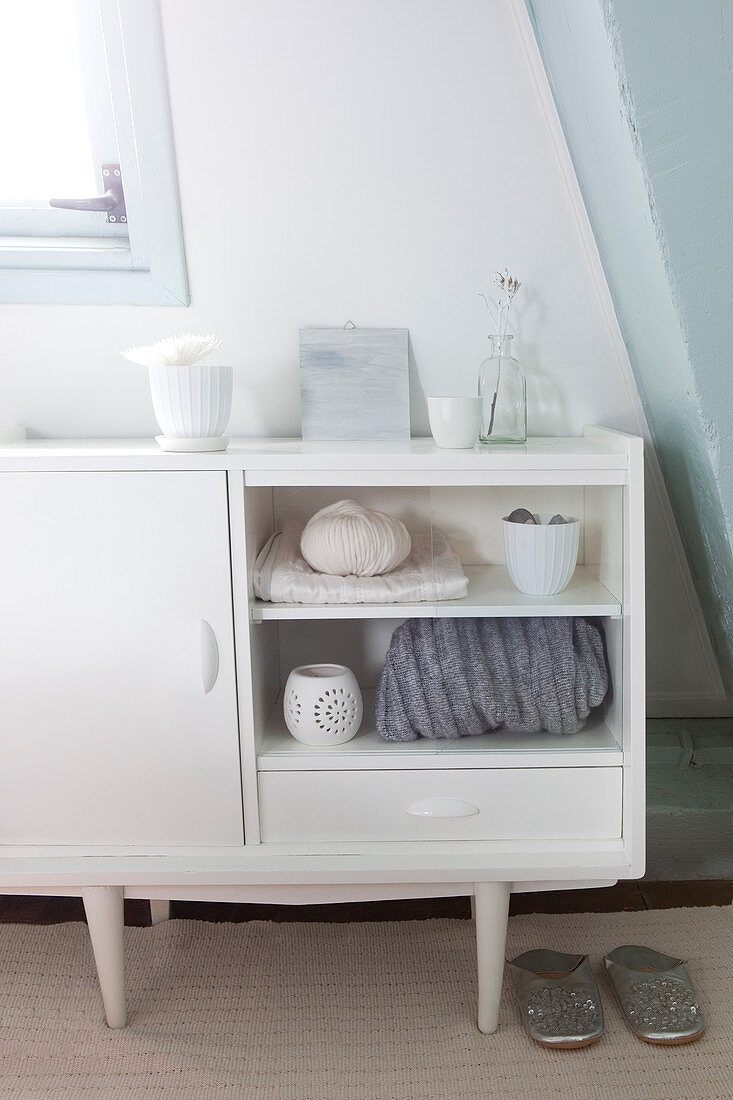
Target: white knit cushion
346,540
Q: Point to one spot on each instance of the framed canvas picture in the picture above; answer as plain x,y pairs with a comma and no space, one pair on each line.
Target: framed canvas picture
354,383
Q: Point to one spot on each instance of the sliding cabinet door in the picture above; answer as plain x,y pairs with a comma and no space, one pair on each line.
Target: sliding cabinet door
118,717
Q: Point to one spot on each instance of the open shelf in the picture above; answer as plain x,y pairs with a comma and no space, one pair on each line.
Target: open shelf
594,746
490,593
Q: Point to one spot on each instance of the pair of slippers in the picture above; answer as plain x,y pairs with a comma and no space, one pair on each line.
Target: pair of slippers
561,1006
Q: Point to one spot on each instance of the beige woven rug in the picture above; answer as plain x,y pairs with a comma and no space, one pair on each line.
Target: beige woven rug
269,1011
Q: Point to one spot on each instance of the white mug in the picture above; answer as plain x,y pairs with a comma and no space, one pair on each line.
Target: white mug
455,421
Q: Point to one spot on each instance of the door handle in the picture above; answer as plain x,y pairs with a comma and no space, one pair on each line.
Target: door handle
442,807
209,657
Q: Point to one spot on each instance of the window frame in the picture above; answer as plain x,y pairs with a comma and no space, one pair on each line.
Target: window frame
146,265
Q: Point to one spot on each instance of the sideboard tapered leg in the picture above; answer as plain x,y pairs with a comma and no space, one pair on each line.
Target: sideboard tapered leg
104,908
491,911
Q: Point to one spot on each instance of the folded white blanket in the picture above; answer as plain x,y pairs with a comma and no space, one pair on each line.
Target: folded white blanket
431,572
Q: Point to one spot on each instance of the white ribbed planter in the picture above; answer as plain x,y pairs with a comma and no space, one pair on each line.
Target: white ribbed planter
192,406
541,558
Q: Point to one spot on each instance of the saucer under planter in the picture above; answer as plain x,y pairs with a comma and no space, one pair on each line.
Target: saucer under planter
196,443
192,404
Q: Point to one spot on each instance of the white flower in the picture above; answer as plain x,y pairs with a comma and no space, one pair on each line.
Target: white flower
173,351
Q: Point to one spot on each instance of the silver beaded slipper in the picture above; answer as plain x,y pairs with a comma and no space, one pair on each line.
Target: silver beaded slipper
558,998
656,995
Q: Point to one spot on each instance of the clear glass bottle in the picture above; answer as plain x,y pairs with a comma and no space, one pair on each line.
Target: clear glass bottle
503,389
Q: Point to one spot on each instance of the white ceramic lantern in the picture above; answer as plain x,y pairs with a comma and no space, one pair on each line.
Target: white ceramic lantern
322,704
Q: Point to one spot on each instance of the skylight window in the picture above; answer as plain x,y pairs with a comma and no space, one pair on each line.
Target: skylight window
85,105
44,128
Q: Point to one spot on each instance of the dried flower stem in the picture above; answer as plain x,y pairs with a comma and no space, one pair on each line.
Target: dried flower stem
508,287
493,400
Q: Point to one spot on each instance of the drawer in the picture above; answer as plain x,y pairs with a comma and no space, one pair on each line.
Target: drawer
475,804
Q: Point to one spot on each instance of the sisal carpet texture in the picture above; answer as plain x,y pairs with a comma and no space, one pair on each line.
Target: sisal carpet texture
269,1011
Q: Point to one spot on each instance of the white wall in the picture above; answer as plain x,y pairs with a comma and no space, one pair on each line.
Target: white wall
371,160
364,160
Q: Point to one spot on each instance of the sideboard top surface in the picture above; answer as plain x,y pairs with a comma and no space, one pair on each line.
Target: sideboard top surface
604,451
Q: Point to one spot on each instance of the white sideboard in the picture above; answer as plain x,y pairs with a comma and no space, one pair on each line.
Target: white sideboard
143,751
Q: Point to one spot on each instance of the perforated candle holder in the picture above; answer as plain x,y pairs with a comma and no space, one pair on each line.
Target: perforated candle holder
322,704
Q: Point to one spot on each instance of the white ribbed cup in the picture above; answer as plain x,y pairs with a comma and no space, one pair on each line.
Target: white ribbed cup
192,402
541,558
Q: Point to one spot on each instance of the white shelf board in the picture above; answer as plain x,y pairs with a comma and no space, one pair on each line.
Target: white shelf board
594,746
490,593
268,461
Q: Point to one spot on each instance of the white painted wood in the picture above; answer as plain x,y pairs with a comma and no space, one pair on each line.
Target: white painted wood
553,453
265,460
108,734
104,908
360,644
209,657
522,803
160,910
500,475
614,630
159,541
491,912
307,894
634,665
354,383
315,863
71,285
471,517
490,592
135,61
247,671
68,254
602,534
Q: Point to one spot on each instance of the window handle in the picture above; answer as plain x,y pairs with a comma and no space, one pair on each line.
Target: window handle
112,201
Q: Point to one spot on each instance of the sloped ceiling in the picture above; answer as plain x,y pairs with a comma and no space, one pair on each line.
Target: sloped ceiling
645,96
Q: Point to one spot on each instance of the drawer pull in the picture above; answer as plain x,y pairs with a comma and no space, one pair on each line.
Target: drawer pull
442,807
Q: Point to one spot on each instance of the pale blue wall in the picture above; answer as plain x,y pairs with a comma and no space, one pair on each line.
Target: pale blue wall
645,96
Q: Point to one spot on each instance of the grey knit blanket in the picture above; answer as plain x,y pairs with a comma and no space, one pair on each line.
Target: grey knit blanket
457,677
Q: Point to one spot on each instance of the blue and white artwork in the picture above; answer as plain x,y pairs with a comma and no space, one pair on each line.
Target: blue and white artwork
354,383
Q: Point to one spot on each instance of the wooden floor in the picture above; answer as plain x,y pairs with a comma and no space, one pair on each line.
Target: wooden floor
613,899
